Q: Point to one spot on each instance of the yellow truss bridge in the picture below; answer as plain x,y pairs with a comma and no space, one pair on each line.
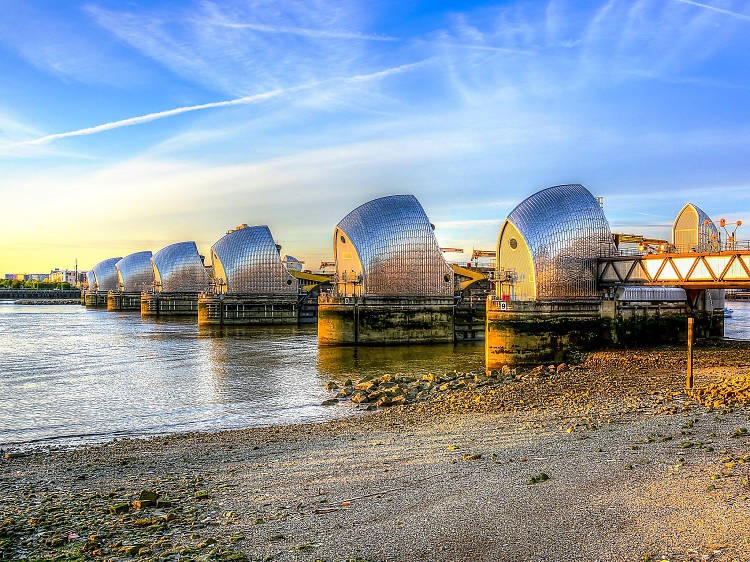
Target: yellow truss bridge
705,270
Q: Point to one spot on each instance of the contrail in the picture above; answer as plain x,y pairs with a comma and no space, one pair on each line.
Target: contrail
237,101
306,32
476,47
715,9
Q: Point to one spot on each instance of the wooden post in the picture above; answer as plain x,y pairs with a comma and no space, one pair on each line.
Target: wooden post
689,382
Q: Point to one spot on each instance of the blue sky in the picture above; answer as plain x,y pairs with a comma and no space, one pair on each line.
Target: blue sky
127,126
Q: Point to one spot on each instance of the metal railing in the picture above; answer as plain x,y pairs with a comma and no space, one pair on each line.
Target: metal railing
710,247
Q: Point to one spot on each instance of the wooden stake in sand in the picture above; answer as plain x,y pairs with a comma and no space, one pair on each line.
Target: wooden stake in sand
689,382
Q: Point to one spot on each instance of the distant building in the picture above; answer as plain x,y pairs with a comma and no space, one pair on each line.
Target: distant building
15,276
67,276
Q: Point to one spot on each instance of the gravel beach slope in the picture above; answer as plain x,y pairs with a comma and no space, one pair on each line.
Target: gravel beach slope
633,470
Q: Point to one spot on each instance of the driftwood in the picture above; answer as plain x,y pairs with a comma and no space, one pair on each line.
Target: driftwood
369,495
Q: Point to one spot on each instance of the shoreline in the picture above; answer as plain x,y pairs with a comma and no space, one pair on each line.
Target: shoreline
444,479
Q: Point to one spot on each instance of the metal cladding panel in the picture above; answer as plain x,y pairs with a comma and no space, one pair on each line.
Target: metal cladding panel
639,293
397,248
249,263
91,279
135,272
105,273
566,231
180,269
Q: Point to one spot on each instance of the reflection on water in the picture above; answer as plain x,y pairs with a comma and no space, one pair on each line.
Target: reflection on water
338,362
69,374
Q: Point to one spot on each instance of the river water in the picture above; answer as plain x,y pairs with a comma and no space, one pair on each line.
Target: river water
70,374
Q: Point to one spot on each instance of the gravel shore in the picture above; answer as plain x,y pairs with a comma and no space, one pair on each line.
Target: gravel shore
609,460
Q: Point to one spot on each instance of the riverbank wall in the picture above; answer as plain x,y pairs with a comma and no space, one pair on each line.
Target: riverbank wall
39,294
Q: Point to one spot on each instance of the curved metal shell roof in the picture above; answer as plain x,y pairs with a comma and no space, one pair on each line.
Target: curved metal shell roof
565,230
178,268
397,249
135,272
247,261
703,233
91,280
106,274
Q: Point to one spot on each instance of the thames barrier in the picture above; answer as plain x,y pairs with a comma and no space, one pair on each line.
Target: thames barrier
135,274
562,281
549,299
392,283
179,275
251,285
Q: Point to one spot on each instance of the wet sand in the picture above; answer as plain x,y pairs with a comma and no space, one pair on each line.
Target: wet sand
635,470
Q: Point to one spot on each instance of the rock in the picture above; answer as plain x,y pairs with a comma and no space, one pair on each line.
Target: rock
359,397
505,370
329,402
430,377
385,378
148,495
383,401
201,495
348,382
141,504
331,385
366,386
400,399
131,549
561,367
119,508
346,391
471,456
58,541
163,503
541,477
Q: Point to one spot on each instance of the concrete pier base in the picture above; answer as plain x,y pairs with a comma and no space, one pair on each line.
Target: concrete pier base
541,331
384,320
169,304
534,332
248,309
117,301
469,318
95,299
